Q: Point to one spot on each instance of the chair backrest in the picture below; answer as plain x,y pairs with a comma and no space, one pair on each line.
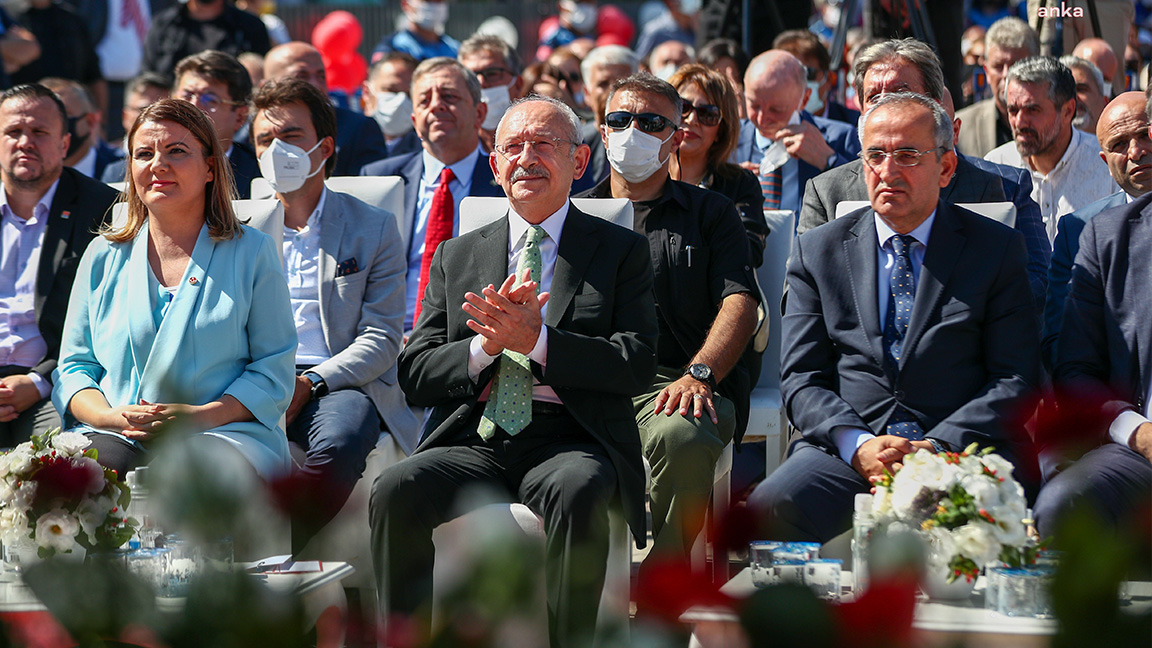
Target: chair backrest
1003,212
245,210
777,249
478,211
118,186
383,192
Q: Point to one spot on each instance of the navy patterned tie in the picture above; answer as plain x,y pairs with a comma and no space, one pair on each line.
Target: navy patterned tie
902,287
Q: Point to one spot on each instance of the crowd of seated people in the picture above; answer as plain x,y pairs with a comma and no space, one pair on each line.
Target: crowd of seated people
551,354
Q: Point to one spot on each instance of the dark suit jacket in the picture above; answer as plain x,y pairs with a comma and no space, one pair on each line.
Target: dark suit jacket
359,141
78,208
1064,250
410,167
1105,345
407,143
105,155
841,113
601,339
975,181
245,166
971,350
840,136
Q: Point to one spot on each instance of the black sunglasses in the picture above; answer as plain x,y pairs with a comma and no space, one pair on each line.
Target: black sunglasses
708,114
647,122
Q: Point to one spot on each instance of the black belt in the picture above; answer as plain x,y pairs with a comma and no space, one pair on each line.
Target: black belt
12,370
549,409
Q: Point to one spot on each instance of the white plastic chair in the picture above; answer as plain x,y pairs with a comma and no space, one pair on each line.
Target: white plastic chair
1002,212
386,192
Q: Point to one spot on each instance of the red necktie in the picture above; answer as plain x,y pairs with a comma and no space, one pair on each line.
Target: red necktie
131,14
438,230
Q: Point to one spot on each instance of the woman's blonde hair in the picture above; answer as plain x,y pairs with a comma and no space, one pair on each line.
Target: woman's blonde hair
218,192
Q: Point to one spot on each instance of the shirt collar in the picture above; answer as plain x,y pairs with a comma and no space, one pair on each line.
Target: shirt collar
461,169
42,206
314,217
762,141
553,225
87,164
883,232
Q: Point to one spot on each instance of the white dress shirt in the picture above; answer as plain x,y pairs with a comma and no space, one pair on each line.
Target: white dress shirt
302,270
87,164
1078,179
849,439
121,51
460,187
20,243
789,173
478,359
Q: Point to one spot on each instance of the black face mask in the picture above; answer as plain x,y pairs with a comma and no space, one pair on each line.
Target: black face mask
78,140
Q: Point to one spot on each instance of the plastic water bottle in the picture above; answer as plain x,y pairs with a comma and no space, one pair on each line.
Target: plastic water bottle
140,508
862,525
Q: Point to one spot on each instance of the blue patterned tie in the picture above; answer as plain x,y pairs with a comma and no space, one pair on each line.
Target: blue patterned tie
510,399
902,286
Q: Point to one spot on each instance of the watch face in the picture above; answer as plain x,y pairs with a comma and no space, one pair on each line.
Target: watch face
700,371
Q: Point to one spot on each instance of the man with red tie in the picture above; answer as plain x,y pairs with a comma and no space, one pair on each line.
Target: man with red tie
447,112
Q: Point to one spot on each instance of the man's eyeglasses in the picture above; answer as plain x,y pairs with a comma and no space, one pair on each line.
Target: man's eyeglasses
647,122
494,74
905,157
207,102
544,148
707,114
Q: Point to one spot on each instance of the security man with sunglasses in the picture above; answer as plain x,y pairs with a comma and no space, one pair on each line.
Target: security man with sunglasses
705,307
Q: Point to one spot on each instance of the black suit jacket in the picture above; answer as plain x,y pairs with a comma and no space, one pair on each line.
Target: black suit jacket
80,205
602,333
972,346
359,141
1105,345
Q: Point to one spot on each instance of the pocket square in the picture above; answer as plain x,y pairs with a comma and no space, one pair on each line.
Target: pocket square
347,267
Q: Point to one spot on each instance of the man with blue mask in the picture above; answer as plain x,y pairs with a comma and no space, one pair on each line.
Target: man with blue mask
344,263
780,141
386,97
497,65
422,34
705,306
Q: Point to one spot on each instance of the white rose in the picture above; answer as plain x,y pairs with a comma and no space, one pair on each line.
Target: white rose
71,443
13,524
24,495
20,459
932,471
999,465
92,513
941,545
984,490
882,502
57,530
976,541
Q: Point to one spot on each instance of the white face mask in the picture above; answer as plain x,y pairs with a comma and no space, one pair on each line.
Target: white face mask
583,17
814,104
498,100
286,166
1107,89
635,154
665,71
393,112
428,15
690,7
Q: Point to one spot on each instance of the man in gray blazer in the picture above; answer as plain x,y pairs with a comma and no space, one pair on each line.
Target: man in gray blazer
345,270
908,327
912,66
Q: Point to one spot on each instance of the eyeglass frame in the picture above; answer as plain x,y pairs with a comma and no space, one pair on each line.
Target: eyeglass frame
502,148
212,111
635,117
689,107
886,155
493,71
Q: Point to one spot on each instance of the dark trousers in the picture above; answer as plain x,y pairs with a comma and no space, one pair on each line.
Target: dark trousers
553,466
37,419
1113,480
336,432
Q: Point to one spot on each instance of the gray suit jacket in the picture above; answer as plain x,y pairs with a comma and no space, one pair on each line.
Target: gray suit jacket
362,271
978,128
971,314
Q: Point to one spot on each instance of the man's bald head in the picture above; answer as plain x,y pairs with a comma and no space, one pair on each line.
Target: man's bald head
296,60
775,66
1124,142
1100,53
775,86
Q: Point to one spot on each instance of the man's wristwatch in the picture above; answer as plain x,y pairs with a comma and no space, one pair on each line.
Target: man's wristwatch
319,387
703,373
937,446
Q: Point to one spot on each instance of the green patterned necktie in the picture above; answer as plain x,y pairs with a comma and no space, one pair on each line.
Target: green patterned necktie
510,399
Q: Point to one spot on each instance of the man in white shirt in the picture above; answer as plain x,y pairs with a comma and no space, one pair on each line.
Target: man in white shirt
1067,172
44,206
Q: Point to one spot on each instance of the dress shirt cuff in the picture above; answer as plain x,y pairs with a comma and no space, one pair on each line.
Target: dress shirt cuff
43,385
848,439
539,353
478,358
1124,426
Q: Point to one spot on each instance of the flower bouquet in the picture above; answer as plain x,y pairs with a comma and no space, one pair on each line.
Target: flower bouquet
965,504
54,494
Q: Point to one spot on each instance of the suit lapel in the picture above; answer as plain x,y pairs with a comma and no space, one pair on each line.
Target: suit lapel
141,326
489,257
577,247
860,249
331,234
483,182
945,245
57,235
166,346
411,173
1139,265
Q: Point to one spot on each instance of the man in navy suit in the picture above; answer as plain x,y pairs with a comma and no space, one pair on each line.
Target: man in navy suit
908,327
909,65
359,140
775,91
1127,150
447,111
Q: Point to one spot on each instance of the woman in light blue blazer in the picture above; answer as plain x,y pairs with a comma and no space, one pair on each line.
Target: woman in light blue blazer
181,313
